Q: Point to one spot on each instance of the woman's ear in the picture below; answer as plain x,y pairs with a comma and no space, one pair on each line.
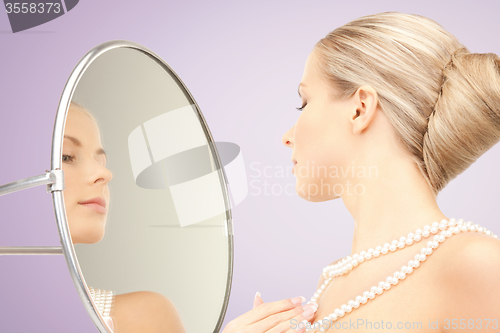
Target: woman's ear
365,107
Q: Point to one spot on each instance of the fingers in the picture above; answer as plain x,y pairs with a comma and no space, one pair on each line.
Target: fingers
265,310
284,321
257,300
297,324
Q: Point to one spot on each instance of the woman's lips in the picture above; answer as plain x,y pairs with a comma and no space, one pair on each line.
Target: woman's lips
96,204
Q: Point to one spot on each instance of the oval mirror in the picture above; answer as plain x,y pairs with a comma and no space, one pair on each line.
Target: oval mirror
145,195
143,212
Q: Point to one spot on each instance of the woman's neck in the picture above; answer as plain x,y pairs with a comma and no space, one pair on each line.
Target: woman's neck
395,202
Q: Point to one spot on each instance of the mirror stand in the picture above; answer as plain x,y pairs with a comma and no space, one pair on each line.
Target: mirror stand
54,180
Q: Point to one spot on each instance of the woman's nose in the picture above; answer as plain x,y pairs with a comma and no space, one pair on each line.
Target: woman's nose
287,137
101,174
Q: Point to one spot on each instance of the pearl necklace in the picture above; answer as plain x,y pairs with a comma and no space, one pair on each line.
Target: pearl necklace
104,300
448,229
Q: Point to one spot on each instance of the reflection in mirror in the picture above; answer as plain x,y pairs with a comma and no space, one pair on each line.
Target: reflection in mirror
144,199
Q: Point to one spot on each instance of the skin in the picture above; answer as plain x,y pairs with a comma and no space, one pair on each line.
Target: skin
458,281
86,177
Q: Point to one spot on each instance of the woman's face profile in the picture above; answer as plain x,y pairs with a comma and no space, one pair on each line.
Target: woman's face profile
320,138
86,177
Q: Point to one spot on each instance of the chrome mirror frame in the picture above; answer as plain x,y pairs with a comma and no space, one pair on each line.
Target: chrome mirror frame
54,179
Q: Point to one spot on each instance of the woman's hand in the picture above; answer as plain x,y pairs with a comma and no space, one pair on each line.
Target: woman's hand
273,317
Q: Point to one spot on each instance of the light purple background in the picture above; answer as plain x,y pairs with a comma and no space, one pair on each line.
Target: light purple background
242,62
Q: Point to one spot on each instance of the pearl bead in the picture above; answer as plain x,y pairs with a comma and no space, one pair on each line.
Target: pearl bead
441,231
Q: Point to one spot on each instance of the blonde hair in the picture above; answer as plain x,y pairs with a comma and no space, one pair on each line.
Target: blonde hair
442,100
79,107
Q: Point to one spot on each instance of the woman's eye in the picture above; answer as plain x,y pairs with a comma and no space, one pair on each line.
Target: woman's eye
302,107
68,158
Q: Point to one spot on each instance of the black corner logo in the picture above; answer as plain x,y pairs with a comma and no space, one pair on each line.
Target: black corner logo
28,14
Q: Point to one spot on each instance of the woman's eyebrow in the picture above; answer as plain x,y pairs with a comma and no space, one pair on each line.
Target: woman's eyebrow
298,90
74,140
102,152
77,143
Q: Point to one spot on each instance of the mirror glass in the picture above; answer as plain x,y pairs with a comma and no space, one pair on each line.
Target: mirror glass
145,201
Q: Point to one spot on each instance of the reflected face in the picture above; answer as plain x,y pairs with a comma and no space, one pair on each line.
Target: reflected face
86,177
320,139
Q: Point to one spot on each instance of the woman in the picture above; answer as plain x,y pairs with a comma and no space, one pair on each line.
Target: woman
399,96
86,200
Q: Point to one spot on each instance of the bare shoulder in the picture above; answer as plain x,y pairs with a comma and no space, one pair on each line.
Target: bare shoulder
145,311
468,273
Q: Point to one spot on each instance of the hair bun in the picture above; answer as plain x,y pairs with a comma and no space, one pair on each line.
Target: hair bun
465,122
